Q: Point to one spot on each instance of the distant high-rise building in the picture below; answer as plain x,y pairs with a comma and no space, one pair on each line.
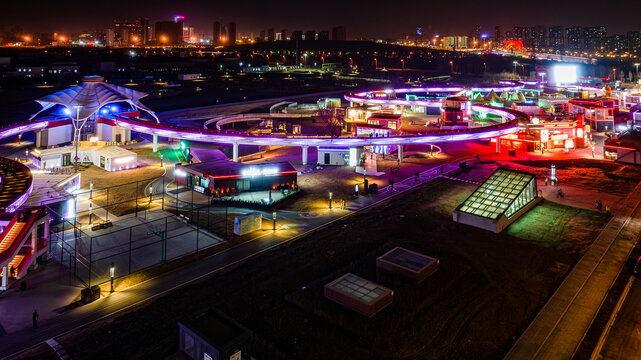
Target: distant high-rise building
126,33
634,38
556,38
616,43
323,35
262,36
144,30
574,37
216,38
110,37
478,30
521,33
593,37
271,34
537,37
169,32
498,36
339,33
297,35
283,34
231,33
310,35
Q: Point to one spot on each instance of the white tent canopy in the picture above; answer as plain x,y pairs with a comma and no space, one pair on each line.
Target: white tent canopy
91,95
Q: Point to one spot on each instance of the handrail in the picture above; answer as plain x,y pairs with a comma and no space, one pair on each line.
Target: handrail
36,214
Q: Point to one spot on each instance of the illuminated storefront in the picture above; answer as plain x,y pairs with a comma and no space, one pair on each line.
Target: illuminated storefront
224,177
548,134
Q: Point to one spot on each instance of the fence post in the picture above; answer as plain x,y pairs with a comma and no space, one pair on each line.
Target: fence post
163,194
107,210
75,248
90,250
197,229
130,230
136,198
164,238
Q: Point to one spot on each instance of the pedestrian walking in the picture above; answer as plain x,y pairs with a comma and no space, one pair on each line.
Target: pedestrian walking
559,193
13,272
477,156
441,170
35,318
600,206
23,285
546,181
607,209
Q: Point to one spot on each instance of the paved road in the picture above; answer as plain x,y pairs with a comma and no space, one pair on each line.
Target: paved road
624,338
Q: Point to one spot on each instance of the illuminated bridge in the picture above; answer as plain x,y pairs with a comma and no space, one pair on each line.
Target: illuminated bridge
93,99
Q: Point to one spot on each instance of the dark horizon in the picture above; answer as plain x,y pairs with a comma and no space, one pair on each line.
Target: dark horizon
362,19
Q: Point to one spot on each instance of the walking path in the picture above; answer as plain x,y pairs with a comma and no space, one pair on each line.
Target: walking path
560,326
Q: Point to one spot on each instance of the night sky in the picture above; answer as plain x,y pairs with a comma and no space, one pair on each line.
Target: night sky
362,18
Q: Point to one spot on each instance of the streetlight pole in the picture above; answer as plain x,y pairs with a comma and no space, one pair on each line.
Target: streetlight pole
330,199
274,220
636,65
77,134
112,271
515,63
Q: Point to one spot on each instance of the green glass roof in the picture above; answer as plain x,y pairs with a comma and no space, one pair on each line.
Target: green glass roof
496,194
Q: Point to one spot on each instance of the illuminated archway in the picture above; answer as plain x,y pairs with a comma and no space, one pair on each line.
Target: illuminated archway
513,45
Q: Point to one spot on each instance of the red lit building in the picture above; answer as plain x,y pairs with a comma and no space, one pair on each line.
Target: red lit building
456,111
598,112
548,133
384,120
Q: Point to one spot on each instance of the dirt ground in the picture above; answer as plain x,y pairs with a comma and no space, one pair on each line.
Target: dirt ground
600,175
122,187
488,288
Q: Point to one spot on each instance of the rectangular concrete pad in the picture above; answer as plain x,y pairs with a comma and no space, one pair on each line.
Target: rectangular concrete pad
407,263
358,294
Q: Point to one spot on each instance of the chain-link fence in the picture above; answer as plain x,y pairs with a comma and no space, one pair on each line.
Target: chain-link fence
143,238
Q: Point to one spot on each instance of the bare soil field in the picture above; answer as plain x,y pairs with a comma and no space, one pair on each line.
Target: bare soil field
487,290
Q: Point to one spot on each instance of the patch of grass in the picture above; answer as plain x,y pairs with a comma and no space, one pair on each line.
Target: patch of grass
559,226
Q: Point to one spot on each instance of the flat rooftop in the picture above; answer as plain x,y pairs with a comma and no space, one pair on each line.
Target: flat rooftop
408,259
231,168
359,289
107,151
215,327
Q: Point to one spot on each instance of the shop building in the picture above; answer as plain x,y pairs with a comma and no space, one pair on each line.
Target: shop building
624,148
110,158
340,156
598,113
225,177
548,132
210,334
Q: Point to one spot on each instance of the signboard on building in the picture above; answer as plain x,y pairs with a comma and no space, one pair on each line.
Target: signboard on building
246,224
236,356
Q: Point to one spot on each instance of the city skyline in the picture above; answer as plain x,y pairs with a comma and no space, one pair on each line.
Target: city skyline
362,20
